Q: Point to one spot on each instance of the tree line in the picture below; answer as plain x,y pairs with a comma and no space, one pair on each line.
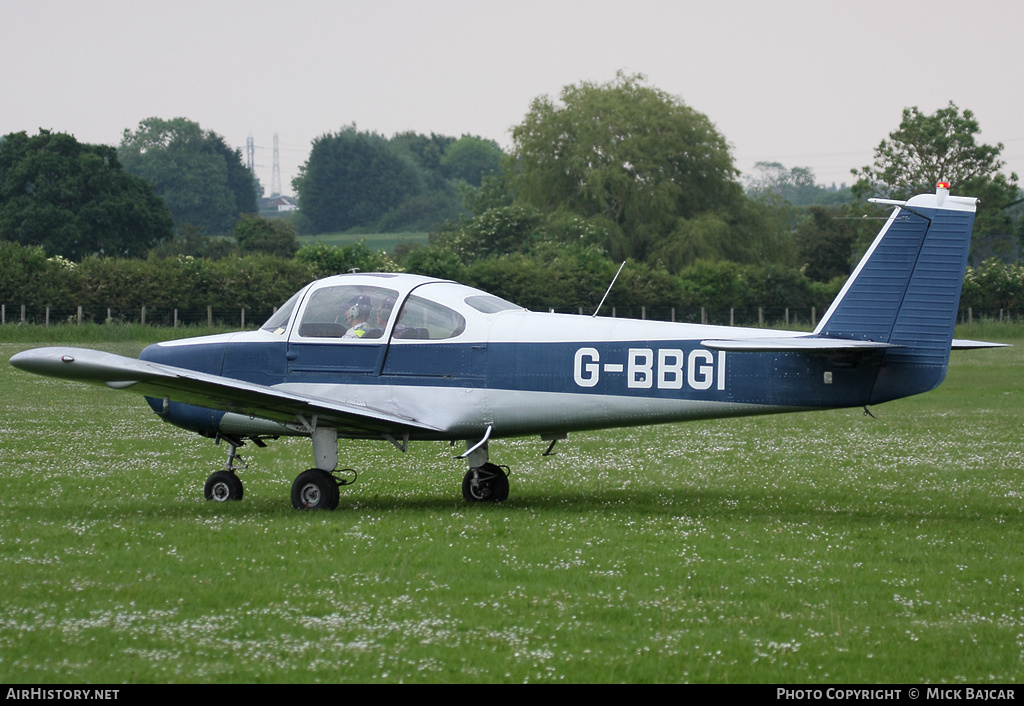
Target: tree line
604,173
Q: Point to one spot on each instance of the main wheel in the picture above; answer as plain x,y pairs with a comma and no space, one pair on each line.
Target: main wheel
315,489
223,486
486,483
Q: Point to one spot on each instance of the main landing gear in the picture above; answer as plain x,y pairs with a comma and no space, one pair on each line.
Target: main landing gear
484,481
317,488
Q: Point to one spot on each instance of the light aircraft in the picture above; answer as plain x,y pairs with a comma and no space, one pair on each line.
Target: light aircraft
402,358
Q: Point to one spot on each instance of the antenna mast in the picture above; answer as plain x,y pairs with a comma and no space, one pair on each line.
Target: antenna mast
250,154
275,179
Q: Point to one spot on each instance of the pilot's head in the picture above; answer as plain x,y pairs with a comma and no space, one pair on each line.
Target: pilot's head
358,310
384,311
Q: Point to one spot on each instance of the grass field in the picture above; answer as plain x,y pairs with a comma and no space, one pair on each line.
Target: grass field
374,241
811,548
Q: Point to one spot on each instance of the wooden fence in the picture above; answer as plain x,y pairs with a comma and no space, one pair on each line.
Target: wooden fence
771,317
21,314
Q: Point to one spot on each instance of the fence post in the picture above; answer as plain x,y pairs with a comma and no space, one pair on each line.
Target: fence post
243,318
643,313
175,318
970,314
787,316
814,317
673,314
760,316
22,313
703,315
3,314
79,316
47,317
109,317
143,316
613,312
209,317
732,316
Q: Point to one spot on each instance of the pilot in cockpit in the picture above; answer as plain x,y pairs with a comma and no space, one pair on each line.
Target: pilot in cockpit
357,315
383,312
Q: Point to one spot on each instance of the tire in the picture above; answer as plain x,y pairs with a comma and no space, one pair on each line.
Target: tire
315,490
223,486
491,484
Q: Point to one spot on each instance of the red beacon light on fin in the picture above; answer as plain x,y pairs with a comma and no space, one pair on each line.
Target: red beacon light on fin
942,185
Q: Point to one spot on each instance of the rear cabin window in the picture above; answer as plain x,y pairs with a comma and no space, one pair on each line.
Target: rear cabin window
426,320
488,304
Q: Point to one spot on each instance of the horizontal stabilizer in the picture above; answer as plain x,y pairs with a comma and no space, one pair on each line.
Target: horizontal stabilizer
963,344
797,343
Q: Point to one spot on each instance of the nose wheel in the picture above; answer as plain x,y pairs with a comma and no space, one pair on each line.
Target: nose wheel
486,483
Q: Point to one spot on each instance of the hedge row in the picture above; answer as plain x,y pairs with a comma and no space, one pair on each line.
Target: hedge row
718,292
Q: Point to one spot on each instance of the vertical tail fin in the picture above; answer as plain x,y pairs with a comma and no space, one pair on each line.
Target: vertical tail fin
906,291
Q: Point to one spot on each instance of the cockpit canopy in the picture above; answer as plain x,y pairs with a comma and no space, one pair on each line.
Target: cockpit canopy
361,307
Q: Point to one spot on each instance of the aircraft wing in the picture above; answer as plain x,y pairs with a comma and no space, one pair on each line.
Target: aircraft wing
205,390
808,344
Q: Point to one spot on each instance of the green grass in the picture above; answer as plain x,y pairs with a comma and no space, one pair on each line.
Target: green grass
811,548
374,241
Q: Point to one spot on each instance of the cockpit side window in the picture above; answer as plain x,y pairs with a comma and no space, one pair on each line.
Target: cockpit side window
278,321
348,311
424,319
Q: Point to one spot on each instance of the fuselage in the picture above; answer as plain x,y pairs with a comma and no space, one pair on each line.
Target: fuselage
461,360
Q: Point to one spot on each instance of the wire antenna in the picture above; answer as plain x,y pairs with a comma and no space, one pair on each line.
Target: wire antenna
608,291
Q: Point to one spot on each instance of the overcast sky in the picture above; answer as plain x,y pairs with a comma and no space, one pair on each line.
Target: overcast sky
809,83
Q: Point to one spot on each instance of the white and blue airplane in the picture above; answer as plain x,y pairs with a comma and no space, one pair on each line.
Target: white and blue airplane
402,358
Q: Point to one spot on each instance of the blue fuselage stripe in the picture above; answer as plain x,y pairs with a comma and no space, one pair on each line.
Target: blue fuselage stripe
657,369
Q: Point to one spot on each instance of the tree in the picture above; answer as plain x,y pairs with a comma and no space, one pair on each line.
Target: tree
498,231
265,235
795,185
203,181
625,151
825,242
471,159
75,199
352,179
325,260
941,147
